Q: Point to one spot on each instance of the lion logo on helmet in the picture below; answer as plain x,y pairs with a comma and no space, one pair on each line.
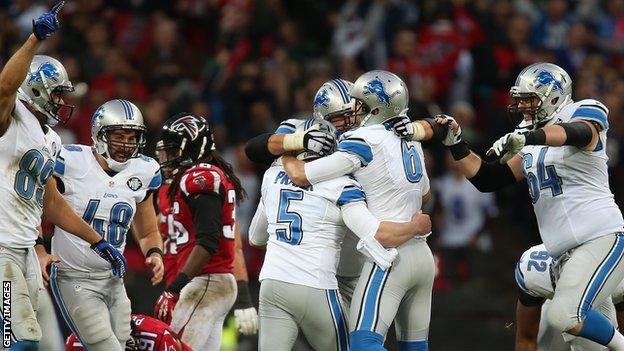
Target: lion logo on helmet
322,98
547,78
376,87
48,70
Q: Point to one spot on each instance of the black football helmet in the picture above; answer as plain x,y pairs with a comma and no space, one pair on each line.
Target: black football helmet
185,138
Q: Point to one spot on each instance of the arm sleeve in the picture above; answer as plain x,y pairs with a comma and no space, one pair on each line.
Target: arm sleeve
359,219
206,210
330,167
492,176
258,229
256,149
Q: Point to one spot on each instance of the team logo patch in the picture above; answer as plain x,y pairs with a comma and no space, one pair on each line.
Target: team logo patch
200,181
47,70
322,98
376,87
546,78
134,183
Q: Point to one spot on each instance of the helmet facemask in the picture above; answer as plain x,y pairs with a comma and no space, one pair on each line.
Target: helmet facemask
343,121
117,151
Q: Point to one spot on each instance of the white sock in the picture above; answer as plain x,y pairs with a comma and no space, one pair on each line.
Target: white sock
617,342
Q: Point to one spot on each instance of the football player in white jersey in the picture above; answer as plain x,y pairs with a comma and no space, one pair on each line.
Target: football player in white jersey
563,158
391,172
31,87
307,225
534,274
110,184
332,103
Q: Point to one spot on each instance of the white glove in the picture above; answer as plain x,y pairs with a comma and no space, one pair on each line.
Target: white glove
453,130
246,320
313,140
371,248
406,129
507,146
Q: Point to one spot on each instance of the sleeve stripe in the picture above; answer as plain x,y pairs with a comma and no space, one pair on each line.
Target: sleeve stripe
358,148
156,181
285,128
216,182
183,184
597,106
520,279
593,113
351,195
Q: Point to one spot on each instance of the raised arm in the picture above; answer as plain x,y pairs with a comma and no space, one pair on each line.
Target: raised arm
15,70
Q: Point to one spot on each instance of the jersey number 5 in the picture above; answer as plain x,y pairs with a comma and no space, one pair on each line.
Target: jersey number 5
293,234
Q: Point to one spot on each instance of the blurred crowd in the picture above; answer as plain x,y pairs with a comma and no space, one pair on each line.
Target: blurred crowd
248,64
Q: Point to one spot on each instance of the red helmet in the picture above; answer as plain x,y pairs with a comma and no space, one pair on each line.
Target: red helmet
148,334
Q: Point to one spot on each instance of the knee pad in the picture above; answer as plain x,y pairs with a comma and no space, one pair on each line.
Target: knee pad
120,320
91,326
414,345
363,340
25,345
561,315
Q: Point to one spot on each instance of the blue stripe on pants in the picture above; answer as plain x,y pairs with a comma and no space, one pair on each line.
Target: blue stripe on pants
56,292
369,310
601,274
339,321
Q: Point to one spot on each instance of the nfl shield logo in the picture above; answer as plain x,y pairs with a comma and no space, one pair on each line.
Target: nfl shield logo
134,183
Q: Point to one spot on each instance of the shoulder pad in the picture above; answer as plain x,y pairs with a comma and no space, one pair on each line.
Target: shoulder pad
592,110
200,179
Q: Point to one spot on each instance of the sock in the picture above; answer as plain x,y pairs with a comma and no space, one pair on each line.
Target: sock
597,327
414,345
363,340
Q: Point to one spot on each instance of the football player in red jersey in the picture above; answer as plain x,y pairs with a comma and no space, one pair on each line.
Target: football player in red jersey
198,204
148,334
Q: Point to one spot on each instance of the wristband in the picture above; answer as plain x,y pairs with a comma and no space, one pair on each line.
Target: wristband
459,150
293,142
536,137
154,250
243,299
39,241
178,283
419,132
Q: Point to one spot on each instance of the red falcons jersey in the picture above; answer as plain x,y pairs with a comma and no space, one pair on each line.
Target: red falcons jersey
178,220
149,334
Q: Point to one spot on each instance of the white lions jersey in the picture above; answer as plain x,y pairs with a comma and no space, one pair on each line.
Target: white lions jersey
569,187
351,260
393,173
27,156
108,203
305,228
534,278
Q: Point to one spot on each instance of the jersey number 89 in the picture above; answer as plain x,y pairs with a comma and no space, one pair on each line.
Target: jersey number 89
32,176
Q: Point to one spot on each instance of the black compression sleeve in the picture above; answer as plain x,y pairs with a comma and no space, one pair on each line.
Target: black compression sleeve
619,306
439,131
257,149
206,210
492,176
529,300
578,134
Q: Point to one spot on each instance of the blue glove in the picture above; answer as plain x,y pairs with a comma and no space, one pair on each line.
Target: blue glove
46,24
118,262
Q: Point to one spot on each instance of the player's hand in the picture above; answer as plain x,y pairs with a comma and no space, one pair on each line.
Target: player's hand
507,146
155,263
319,142
246,320
45,260
48,23
117,260
402,127
453,130
165,305
422,223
